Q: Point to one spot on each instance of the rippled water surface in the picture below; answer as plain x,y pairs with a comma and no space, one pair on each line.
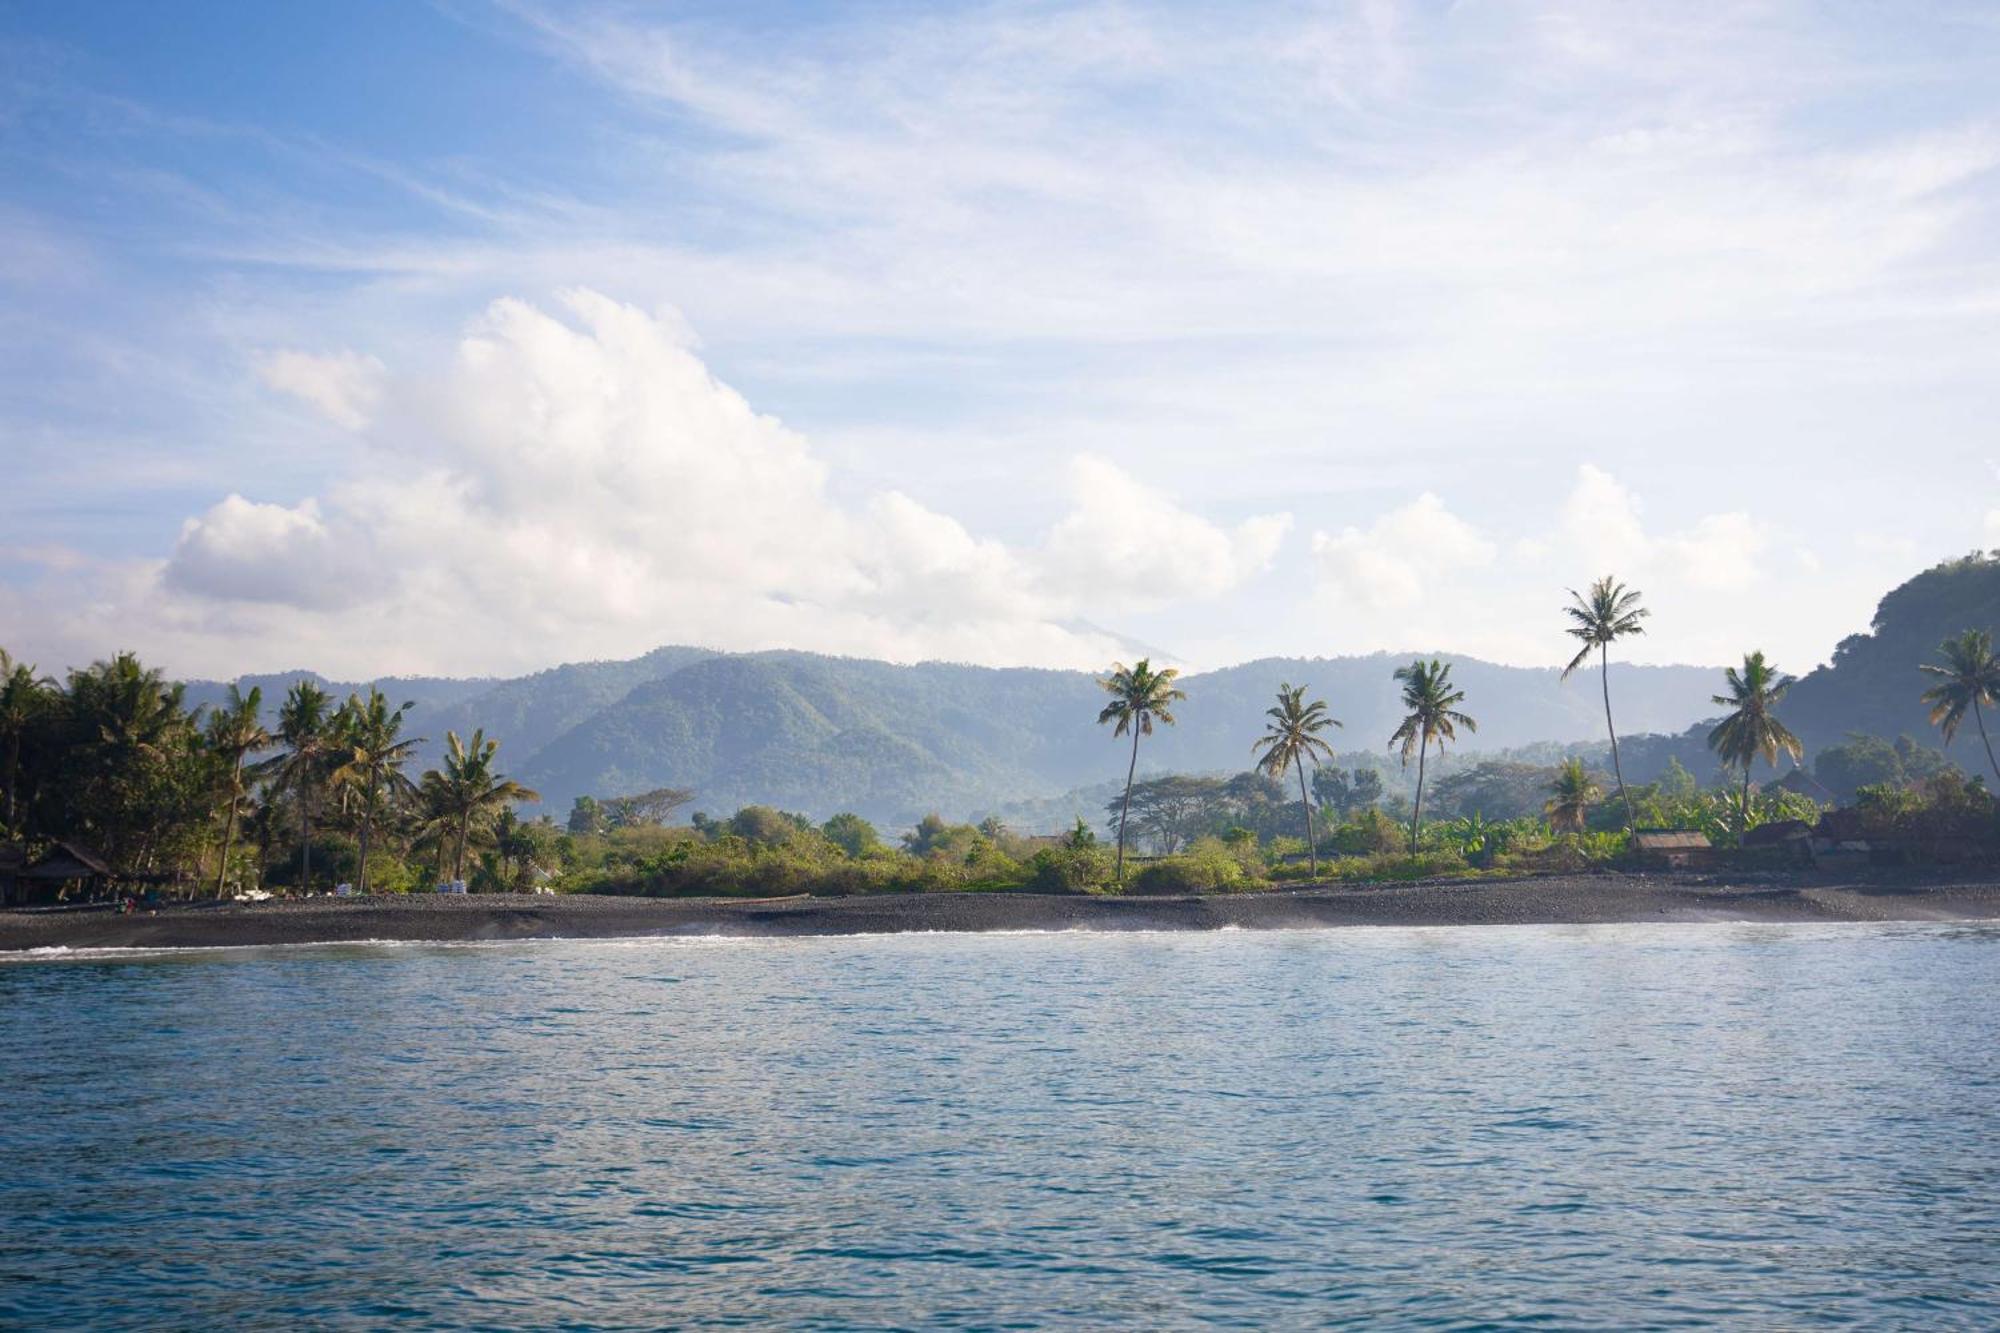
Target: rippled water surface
1568,1127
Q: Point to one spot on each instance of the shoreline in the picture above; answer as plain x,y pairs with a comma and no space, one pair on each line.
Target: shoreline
1600,898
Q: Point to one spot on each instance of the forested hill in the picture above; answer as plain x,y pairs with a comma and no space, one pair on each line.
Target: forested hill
822,734
825,734
1874,682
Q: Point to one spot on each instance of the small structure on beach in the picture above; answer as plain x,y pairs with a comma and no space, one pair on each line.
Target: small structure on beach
1786,840
1675,849
13,860
64,864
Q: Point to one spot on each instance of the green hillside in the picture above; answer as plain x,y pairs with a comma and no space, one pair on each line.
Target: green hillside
823,734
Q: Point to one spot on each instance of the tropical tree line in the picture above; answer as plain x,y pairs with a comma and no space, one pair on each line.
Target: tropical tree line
112,759
1966,681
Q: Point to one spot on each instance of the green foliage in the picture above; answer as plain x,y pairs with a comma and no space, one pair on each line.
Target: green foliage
761,826
1399,866
1206,867
1340,792
586,816
1869,761
1944,808
1371,833
1069,869
1497,789
1571,793
854,835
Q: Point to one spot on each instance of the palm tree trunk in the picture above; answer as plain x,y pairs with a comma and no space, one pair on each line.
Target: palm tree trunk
366,824
1604,673
1417,812
1312,843
1977,716
305,839
13,776
229,825
1125,810
1743,819
458,861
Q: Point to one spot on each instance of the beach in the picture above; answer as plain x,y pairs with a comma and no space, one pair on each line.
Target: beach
1549,900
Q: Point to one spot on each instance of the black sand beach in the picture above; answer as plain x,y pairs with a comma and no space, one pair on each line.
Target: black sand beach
1551,900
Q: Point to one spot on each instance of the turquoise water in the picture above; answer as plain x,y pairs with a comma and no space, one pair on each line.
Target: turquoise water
1561,1127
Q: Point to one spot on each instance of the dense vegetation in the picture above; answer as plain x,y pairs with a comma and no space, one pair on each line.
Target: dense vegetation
892,742
226,795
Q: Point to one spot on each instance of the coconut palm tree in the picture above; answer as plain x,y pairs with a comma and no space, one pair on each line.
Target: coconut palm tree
1432,706
1139,696
1752,727
305,730
24,696
1599,618
235,731
1968,679
1570,795
467,790
372,751
130,746
1291,740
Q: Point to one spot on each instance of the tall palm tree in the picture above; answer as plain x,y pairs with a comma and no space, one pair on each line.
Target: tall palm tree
1752,727
1139,695
235,731
1570,795
305,731
1432,705
23,698
372,752
467,790
1291,740
1599,618
127,710
1969,678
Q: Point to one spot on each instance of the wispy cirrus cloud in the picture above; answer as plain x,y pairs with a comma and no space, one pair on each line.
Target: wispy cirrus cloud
1387,269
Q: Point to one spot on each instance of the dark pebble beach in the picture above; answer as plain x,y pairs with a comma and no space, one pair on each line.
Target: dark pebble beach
1578,899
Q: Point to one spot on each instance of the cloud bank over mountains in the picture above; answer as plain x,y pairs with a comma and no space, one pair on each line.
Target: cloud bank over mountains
1292,330
577,484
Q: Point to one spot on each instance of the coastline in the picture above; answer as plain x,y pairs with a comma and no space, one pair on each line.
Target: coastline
1605,898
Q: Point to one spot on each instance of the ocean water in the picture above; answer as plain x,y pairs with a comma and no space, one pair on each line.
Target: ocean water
1595,1127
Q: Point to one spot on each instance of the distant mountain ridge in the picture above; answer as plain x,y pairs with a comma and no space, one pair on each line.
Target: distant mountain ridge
822,734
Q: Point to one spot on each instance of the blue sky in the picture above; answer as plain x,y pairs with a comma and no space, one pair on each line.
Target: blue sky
475,337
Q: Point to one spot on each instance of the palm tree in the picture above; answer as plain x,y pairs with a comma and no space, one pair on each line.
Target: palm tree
1433,716
127,710
1292,739
23,697
372,751
305,730
1969,678
467,789
235,731
1752,728
1139,695
130,737
1570,795
1607,613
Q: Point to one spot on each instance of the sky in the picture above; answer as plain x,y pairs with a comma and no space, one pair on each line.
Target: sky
474,336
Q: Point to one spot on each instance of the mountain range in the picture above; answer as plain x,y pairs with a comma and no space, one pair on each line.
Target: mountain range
821,734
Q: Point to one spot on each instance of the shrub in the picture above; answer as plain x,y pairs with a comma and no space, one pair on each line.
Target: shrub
1068,869
1400,866
852,834
1206,867
1369,833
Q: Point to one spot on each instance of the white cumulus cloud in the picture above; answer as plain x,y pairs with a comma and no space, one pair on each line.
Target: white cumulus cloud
344,387
578,484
